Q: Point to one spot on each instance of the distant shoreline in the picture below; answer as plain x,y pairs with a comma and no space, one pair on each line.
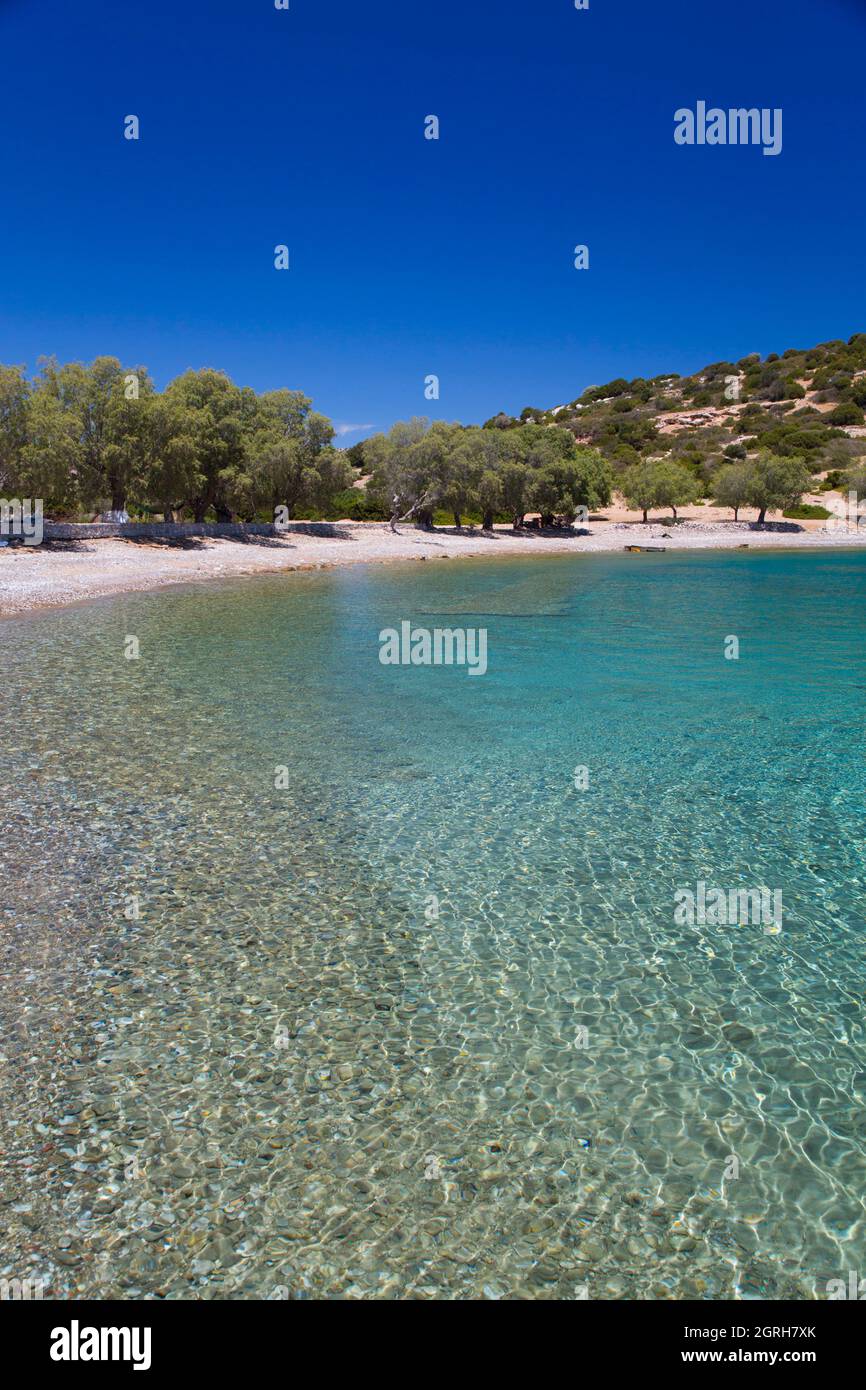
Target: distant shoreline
33,579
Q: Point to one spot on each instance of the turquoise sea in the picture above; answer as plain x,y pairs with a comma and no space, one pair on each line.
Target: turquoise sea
419,1021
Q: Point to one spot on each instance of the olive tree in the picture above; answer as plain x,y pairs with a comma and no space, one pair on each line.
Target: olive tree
639,488
409,468
14,400
775,483
731,487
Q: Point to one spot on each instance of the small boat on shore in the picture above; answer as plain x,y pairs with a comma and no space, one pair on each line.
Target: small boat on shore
639,549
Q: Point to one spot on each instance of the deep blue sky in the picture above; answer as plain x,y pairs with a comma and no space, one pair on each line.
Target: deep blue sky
412,257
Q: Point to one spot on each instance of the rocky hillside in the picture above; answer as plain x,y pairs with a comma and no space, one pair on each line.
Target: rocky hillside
806,403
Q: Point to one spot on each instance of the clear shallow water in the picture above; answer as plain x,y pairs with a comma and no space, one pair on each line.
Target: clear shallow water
283,1080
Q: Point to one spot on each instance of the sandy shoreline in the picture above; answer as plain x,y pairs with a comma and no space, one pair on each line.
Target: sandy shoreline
32,578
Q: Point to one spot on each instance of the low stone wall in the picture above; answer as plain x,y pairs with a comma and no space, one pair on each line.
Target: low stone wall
166,530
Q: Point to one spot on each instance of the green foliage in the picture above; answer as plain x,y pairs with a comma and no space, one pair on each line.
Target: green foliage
775,483
622,418
782,389
675,486
105,409
101,436
834,480
557,489
211,407
50,457
14,403
421,469
76,436
664,484
807,511
352,504
731,487
172,473
846,414
638,486
289,456
855,480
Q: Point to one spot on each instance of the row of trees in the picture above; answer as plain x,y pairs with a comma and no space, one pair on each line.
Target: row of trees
767,482
418,468
102,436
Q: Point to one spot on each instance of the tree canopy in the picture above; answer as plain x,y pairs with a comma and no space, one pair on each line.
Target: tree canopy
100,435
418,467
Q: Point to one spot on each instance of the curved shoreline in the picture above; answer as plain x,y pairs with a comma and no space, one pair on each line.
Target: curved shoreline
32,579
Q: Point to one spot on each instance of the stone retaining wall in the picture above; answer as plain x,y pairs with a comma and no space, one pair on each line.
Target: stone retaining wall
165,530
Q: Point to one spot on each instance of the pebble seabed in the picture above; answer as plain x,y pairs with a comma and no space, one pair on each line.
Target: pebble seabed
327,1040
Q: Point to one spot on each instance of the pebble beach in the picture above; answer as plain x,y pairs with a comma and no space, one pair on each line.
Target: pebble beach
43,577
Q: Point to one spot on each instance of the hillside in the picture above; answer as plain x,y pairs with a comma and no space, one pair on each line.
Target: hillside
805,403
